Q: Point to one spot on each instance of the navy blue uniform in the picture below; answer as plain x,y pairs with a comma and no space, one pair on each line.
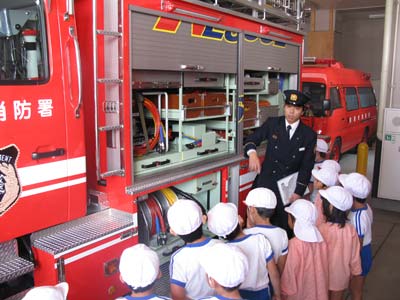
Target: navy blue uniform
282,158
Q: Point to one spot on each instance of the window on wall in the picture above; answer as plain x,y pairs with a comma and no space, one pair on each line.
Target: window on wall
351,99
367,97
335,98
23,49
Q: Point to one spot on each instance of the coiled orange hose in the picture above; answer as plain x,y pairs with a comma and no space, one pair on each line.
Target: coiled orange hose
140,150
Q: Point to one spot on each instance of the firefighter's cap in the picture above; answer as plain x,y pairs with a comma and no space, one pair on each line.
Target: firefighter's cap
139,266
225,263
223,219
261,197
357,184
56,292
184,216
295,98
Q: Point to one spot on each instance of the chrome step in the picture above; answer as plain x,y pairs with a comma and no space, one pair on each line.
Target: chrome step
65,237
113,173
109,80
109,33
111,127
11,265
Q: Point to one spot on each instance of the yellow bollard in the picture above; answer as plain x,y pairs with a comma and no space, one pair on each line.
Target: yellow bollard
362,158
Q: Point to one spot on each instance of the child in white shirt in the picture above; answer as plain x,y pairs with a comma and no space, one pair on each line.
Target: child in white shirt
361,217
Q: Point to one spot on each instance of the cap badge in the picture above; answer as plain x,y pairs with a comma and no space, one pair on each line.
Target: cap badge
293,97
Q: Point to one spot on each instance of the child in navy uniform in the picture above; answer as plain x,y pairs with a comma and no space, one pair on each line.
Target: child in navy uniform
186,219
226,267
361,217
261,203
223,221
140,268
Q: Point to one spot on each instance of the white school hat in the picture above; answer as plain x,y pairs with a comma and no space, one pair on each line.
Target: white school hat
184,216
322,146
226,264
330,163
223,219
327,176
56,292
306,215
338,197
139,266
357,184
261,197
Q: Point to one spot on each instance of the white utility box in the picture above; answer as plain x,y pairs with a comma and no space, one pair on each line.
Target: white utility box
389,183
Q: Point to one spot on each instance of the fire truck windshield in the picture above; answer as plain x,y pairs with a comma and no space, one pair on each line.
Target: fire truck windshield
23,51
317,93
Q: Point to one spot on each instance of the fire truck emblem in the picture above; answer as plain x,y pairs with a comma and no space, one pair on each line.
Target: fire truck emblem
10,187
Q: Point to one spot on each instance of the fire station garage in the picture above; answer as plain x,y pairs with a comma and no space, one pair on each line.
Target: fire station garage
199,149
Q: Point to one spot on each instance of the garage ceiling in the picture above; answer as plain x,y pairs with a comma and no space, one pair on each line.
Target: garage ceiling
347,4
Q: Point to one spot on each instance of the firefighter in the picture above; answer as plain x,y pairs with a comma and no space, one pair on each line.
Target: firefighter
290,149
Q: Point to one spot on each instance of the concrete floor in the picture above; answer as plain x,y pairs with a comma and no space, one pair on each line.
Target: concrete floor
383,281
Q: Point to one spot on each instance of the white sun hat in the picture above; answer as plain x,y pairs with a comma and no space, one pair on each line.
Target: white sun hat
225,263
56,292
357,184
327,176
223,219
305,213
261,197
322,146
330,163
139,266
184,216
339,197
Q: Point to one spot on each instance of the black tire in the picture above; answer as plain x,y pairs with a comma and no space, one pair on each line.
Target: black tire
364,139
336,150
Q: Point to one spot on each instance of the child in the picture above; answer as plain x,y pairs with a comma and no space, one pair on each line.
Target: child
140,268
261,203
226,267
57,292
323,178
361,217
223,221
342,240
321,149
185,219
306,271
330,163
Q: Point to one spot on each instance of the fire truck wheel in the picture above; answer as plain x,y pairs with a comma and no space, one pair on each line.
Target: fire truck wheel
336,148
367,139
364,139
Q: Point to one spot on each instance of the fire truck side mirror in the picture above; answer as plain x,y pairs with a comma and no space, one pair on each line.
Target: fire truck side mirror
326,107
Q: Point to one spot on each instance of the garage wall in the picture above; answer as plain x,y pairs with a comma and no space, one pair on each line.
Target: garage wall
359,41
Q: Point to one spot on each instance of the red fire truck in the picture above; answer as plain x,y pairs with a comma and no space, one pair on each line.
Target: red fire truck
111,110
343,106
